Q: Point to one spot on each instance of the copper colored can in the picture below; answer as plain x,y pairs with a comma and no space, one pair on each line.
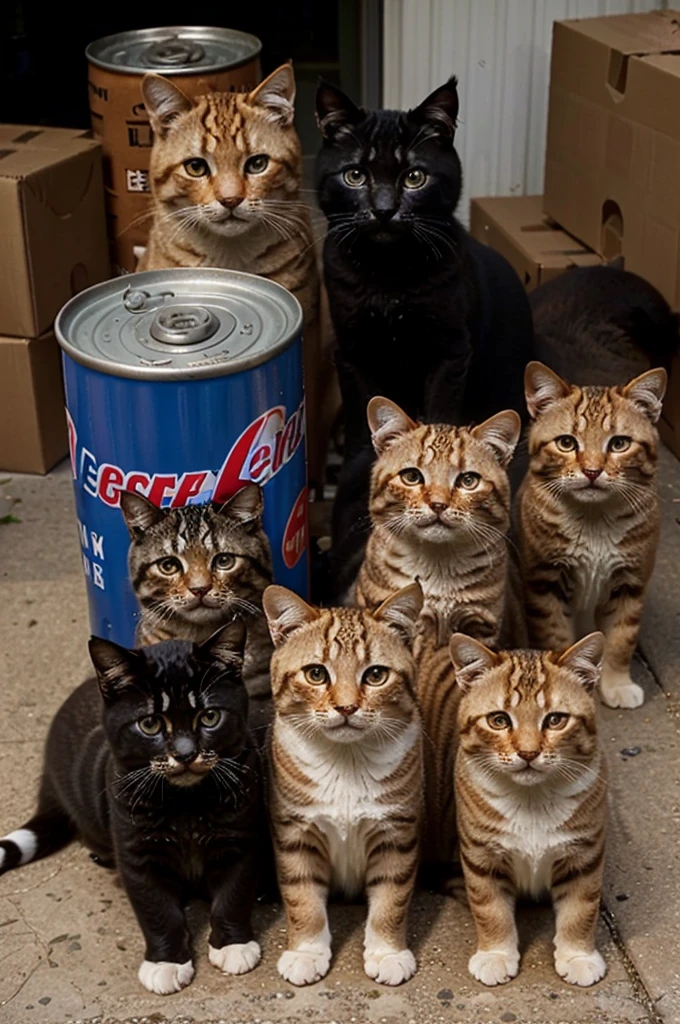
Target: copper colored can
198,60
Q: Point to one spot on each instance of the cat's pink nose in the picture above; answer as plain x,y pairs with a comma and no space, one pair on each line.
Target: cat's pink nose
199,591
229,201
347,709
438,507
528,755
592,474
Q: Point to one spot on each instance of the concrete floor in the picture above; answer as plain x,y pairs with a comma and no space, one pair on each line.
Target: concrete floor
69,947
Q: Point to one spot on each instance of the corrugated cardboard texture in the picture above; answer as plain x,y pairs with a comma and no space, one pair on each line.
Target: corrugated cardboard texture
33,434
517,228
53,239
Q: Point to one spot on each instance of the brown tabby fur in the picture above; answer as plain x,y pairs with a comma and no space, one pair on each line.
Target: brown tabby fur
346,776
531,800
589,517
451,539
253,222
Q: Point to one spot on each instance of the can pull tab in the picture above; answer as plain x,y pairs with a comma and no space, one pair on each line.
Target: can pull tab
172,52
137,301
183,325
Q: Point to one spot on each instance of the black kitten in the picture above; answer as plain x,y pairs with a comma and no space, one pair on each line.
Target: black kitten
422,313
165,784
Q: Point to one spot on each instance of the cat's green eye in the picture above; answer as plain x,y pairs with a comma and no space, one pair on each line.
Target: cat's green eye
169,566
468,481
620,443
376,675
499,720
209,718
354,177
566,443
196,167
151,725
415,178
223,562
316,674
412,477
256,164
555,720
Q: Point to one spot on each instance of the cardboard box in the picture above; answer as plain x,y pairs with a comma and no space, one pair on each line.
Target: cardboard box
516,227
53,238
612,169
33,434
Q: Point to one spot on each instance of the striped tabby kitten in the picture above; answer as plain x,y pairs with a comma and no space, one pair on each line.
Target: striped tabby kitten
589,516
346,776
225,174
440,508
531,800
193,568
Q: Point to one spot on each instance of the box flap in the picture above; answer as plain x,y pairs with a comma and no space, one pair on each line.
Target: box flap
523,220
644,33
15,284
668,62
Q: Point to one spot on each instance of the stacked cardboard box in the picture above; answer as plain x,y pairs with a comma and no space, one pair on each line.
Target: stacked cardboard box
52,245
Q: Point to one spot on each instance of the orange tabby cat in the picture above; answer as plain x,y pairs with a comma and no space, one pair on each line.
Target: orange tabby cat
589,516
440,510
346,776
225,174
531,800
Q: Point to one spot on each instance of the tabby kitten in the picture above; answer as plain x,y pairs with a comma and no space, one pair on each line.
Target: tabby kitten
346,776
193,568
589,516
153,767
225,175
531,800
422,312
440,509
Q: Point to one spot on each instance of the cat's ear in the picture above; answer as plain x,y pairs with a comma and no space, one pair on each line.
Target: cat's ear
585,659
440,109
387,422
335,111
501,432
285,613
471,659
164,102
400,611
276,95
542,387
115,666
246,506
139,513
226,644
647,391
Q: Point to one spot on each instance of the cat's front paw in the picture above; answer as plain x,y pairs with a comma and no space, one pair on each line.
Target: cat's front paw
304,967
619,691
165,977
582,969
494,966
390,968
237,958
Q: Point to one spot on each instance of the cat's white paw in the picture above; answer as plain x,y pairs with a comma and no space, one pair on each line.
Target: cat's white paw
238,958
619,691
304,967
164,977
582,969
494,966
390,968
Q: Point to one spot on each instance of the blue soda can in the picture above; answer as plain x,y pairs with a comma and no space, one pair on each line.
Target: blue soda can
182,385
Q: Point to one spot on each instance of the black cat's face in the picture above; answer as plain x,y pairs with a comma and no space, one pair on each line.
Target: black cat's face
384,176
175,710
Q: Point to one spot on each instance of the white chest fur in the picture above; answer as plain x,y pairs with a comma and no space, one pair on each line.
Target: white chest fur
350,795
594,556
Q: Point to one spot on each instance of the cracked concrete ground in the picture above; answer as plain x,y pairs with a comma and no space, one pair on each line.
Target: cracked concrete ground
70,948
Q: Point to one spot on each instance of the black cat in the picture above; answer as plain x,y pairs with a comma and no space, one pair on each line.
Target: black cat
422,313
162,780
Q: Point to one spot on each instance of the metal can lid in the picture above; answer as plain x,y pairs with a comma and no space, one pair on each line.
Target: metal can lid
179,324
175,50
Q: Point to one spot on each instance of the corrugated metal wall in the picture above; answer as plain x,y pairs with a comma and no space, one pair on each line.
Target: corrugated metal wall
500,51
